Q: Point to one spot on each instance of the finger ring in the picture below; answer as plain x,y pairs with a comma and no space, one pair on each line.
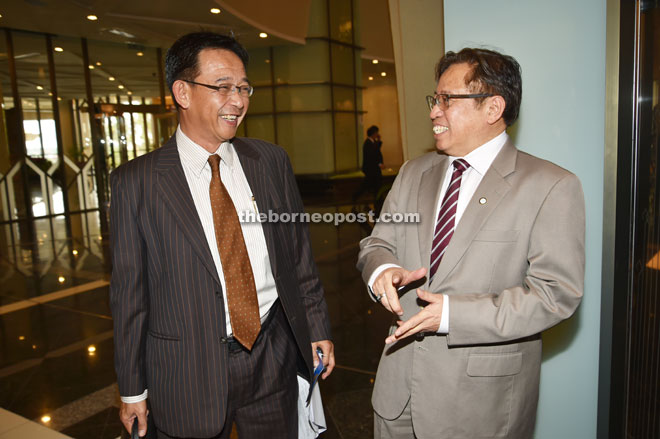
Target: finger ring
380,297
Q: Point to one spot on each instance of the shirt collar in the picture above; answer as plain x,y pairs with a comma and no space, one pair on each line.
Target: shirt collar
481,158
195,157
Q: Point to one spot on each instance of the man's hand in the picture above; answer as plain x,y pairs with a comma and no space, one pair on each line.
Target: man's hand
128,412
328,356
428,319
387,283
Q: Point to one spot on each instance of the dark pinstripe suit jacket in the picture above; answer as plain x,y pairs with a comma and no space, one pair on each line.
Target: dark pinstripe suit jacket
165,294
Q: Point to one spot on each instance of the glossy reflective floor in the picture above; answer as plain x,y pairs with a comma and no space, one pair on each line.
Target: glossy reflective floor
56,347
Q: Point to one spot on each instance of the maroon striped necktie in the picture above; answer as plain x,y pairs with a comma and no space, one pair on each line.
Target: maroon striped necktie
444,226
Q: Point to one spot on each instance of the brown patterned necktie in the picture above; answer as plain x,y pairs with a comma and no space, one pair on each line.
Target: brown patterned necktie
239,280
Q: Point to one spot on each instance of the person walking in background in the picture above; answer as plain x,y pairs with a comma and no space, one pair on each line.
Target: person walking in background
213,318
372,163
497,257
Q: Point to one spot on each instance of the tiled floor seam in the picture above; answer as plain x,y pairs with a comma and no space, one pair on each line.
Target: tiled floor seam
83,408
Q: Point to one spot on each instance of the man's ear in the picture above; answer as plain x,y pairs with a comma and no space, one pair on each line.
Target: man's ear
495,108
181,93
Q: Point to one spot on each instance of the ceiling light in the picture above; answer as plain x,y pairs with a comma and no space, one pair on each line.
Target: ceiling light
120,87
121,33
50,93
263,35
45,419
129,92
39,87
92,17
98,63
58,49
21,337
75,252
61,279
91,348
215,11
140,54
371,78
112,78
0,15
91,67
59,98
374,61
383,74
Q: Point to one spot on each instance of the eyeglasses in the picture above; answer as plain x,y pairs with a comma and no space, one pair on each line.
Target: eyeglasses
442,100
227,89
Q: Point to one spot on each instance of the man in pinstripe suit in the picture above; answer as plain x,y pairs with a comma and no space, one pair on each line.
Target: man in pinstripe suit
173,334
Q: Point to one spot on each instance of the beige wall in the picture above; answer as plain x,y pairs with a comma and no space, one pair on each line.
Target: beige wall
381,105
418,41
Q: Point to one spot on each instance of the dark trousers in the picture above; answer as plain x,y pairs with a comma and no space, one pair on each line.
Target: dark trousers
371,183
263,387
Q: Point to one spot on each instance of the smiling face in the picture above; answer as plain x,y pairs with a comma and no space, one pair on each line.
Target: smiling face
206,116
466,124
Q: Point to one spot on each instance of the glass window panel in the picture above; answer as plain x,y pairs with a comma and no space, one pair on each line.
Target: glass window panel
318,19
341,20
33,82
344,98
346,151
72,98
7,101
262,100
261,127
308,140
342,64
302,64
303,98
259,67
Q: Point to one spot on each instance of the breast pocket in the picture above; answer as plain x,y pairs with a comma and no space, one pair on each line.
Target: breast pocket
486,259
497,235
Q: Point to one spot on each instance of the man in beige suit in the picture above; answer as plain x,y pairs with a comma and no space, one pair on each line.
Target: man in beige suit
497,257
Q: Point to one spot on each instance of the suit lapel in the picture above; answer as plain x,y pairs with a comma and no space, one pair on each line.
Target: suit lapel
173,187
259,178
427,205
493,188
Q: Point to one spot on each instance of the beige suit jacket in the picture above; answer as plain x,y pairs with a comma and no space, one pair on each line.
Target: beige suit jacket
514,267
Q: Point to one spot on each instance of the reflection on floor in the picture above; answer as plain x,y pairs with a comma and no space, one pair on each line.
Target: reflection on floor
56,348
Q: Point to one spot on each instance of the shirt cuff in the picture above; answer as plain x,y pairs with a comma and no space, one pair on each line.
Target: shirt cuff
444,319
138,398
374,275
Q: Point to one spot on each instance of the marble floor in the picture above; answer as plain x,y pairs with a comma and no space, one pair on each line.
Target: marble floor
56,348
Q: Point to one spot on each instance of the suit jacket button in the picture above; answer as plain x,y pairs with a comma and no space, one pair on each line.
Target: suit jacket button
223,340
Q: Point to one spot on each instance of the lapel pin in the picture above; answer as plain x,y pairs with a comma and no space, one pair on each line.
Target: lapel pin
482,200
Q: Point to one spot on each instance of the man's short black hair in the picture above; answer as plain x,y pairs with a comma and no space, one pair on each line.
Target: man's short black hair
181,60
373,129
492,72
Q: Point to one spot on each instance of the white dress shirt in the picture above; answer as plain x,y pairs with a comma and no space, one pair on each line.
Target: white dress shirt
480,160
194,160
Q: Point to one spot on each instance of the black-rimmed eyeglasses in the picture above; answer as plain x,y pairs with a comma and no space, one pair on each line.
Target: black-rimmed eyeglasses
443,100
227,89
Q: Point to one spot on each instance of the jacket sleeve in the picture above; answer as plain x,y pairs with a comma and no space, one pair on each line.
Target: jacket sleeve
553,284
380,247
128,285
309,282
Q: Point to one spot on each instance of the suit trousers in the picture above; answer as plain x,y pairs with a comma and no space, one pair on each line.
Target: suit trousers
263,385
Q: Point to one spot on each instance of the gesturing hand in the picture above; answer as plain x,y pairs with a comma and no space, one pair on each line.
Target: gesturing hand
386,284
428,319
